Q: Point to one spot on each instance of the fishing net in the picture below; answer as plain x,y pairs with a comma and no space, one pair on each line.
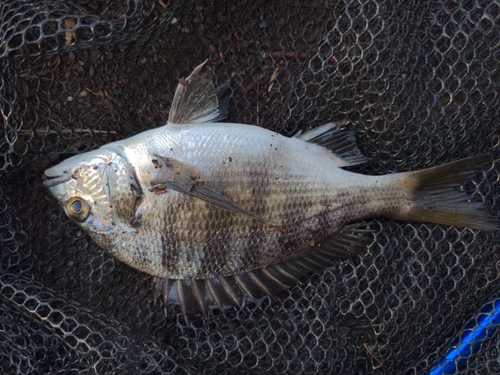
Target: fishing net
417,81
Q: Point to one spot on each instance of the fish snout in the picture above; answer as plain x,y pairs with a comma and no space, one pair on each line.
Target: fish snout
55,176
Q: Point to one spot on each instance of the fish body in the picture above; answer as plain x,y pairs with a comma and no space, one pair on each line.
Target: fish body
285,181
201,200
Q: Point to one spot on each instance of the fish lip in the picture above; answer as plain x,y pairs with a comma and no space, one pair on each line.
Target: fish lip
51,181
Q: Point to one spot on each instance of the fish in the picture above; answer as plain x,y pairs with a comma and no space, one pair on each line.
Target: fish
220,213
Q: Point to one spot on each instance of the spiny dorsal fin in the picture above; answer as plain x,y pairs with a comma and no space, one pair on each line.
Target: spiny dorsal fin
195,100
341,142
203,295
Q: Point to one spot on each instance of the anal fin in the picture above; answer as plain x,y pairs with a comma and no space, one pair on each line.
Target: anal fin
220,295
232,290
268,283
248,285
202,295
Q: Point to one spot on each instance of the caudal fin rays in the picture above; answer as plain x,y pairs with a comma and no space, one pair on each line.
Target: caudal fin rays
436,198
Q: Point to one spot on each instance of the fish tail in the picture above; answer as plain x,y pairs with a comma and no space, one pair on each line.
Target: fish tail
435,196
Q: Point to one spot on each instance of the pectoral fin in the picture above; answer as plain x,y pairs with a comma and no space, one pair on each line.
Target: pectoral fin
187,180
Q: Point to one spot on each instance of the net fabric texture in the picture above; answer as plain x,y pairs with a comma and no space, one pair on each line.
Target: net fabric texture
417,82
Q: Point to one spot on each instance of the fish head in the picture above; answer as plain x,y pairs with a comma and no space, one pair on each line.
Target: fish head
98,190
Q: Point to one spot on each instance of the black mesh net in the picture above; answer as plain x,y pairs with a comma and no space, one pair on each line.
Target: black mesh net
418,82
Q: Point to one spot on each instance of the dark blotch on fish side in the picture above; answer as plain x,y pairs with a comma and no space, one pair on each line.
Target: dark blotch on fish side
278,228
156,163
158,190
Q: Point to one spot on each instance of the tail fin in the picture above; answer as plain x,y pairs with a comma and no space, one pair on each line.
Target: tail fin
437,198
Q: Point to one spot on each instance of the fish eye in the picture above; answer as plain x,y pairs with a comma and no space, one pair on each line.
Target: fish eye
78,208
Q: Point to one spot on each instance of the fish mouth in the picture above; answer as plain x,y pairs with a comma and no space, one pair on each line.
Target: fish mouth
50,180
60,173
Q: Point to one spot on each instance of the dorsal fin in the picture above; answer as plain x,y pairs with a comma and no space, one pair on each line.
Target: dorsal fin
341,142
203,295
196,100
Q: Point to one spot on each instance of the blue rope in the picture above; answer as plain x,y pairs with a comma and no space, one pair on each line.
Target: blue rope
468,343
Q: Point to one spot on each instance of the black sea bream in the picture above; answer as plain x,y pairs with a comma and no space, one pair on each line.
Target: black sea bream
219,210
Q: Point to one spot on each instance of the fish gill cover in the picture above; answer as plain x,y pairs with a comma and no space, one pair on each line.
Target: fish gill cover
418,83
